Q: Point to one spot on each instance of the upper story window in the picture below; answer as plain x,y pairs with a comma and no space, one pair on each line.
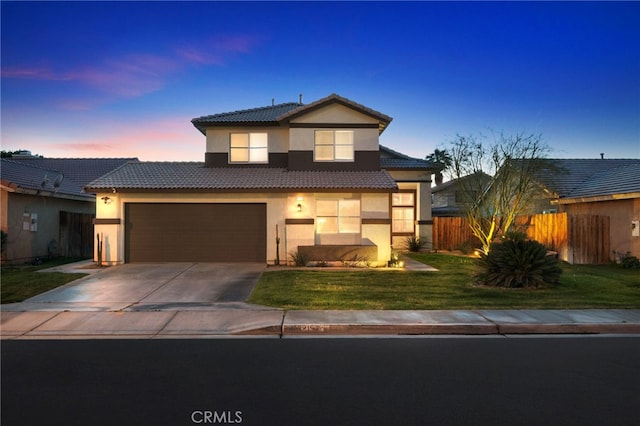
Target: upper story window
248,148
333,145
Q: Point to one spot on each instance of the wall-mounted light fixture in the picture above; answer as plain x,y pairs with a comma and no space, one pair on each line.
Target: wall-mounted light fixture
299,207
106,200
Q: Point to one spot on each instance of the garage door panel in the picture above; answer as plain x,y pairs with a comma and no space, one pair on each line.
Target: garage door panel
181,232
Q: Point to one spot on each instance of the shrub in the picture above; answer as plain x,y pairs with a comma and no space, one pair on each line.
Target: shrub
299,259
517,262
627,260
631,262
414,244
3,241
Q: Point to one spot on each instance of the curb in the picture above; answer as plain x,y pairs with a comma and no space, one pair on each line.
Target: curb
237,322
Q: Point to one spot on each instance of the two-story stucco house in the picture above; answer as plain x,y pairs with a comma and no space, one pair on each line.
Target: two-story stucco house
313,176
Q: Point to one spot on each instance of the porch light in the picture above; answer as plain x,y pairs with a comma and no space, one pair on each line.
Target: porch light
299,207
106,200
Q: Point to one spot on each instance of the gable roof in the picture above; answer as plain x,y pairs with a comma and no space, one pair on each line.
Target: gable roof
281,113
383,119
571,178
193,176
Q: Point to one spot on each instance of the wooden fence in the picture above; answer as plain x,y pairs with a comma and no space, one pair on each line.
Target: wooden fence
579,239
76,235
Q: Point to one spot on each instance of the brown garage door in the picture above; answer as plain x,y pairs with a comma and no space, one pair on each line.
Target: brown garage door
184,232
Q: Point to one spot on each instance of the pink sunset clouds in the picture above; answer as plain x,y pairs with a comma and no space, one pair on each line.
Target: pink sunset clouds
135,74
163,139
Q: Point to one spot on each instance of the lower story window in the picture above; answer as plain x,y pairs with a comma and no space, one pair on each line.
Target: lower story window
403,213
338,216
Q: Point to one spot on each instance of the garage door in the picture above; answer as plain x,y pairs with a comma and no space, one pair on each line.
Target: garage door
176,232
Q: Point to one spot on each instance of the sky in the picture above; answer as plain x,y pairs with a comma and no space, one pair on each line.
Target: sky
124,79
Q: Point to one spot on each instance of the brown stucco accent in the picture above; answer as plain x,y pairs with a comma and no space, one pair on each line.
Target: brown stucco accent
299,221
334,125
221,159
376,221
363,160
98,221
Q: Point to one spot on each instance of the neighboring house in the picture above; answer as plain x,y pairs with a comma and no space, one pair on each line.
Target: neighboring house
275,180
604,187
448,197
45,210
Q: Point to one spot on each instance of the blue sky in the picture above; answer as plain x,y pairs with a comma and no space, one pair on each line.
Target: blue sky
113,79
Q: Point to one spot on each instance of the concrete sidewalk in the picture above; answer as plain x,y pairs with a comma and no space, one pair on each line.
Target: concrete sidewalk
200,322
79,310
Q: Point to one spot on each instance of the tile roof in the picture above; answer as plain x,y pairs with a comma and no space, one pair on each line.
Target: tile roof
27,178
276,114
80,170
618,180
194,176
477,179
266,115
591,177
394,160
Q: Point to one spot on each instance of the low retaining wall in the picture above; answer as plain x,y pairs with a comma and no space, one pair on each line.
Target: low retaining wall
331,253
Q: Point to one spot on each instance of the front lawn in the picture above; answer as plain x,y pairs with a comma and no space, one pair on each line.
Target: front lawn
581,287
22,282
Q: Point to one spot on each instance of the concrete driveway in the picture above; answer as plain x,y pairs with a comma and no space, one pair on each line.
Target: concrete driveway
155,287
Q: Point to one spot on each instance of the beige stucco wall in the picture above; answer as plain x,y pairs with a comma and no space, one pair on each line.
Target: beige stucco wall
279,208
218,138
621,213
423,206
335,113
113,235
303,139
26,244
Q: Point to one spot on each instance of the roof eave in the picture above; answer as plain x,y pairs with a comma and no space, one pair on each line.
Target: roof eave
389,189
203,126
595,198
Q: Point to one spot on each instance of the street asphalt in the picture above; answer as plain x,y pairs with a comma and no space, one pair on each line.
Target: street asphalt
170,301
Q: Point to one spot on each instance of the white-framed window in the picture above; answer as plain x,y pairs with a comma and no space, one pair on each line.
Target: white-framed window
333,145
338,216
248,148
403,213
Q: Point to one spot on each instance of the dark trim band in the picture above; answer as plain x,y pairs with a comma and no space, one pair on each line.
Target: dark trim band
334,125
116,221
375,221
299,221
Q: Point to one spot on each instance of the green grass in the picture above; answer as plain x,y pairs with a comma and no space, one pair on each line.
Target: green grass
18,283
581,287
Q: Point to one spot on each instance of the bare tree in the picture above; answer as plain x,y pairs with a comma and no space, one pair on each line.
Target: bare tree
499,180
